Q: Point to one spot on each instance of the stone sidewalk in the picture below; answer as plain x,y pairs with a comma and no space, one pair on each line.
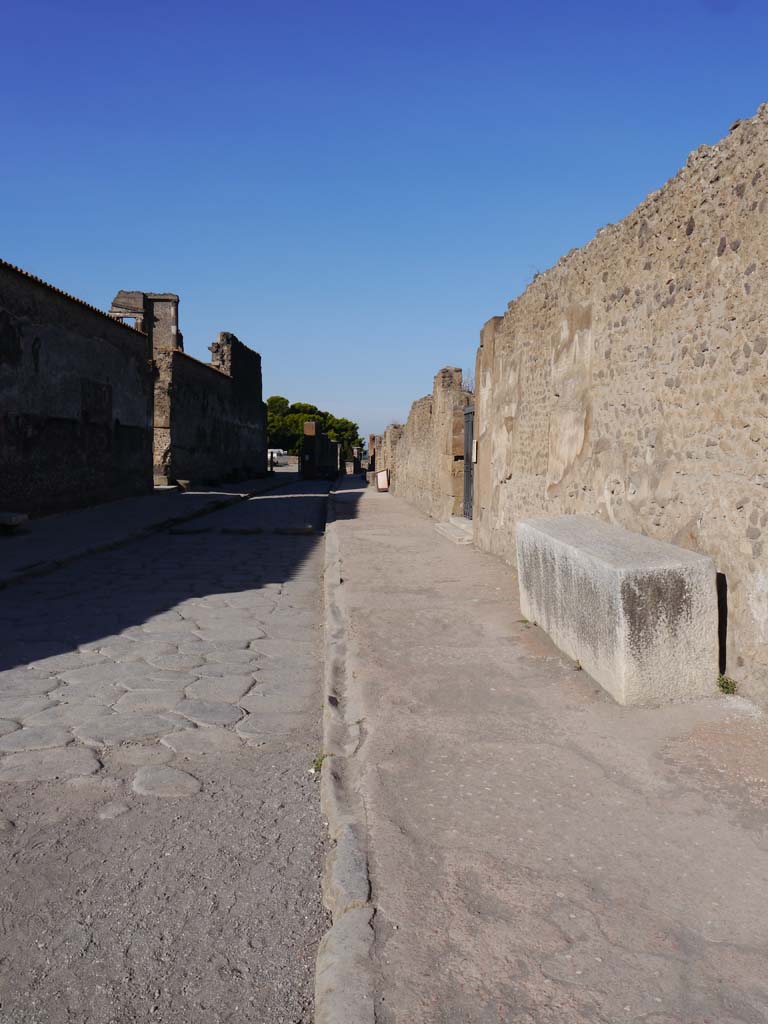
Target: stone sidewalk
52,541
537,853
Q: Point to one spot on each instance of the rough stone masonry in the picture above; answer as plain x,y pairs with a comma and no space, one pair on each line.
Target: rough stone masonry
630,382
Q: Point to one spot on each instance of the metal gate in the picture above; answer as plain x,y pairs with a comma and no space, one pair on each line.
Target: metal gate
469,465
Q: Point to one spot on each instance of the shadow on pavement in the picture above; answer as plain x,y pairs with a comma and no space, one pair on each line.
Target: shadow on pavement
258,543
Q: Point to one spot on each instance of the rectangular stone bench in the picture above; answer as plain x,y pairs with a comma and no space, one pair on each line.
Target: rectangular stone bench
639,615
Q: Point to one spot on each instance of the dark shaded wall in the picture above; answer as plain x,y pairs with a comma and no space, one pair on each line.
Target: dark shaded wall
210,420
320,457
75,400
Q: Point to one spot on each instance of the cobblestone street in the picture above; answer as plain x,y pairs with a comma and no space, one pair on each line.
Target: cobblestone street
161,839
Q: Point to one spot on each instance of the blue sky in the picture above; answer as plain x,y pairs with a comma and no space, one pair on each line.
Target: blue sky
353,188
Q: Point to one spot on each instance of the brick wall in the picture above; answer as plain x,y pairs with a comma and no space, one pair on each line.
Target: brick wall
75,400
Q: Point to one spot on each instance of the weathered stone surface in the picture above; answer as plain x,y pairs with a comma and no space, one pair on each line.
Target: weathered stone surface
108,672
35,738
69,715
102,694
265,727
235,659
209,712
202,741
165,782
640,616
6,825
19,708
149,700
220,688
136,755
24,682
175,662
121,728
269,700
66,661
112,810
7,726
48,765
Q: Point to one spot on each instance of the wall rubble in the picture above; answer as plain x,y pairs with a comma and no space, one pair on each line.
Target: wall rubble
630,382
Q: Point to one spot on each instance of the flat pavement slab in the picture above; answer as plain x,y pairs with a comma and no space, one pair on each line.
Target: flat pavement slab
45,543
538,853
161,842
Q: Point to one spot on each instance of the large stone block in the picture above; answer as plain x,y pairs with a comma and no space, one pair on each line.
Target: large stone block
638,614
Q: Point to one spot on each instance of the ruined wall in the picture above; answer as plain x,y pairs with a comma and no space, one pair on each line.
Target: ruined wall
210,420
320,456
630,382
425,457
75,400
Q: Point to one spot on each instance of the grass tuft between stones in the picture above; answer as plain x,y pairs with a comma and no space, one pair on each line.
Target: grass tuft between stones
726,684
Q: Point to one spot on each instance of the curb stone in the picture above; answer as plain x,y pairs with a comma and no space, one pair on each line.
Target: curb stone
344,965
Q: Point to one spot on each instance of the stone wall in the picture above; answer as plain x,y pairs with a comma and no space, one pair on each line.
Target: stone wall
320,456
210,420
630,382
75,400
425,457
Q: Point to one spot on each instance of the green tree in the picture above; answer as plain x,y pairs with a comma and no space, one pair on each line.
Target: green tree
285,425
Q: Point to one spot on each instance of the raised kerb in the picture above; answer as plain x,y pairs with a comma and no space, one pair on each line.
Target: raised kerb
638,614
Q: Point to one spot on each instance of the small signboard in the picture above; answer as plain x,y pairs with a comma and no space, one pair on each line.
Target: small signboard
382,480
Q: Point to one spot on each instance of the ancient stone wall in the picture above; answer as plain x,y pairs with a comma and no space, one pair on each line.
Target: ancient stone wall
320,456
210,420
75,400
425,457
630,382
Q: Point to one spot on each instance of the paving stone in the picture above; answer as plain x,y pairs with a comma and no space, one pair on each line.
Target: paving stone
220,688
35,738
270,701
6,726
232,635
57,763
135,755
24,682
68,715
202,741
149,700
124,649
17,709
209,712
102,694
103,672
175,662
270,726
120,728
112,810
239,658
160,780
66,661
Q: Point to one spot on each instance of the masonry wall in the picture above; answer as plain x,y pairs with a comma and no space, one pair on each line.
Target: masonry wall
75,400
630,382
210,420
425,457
